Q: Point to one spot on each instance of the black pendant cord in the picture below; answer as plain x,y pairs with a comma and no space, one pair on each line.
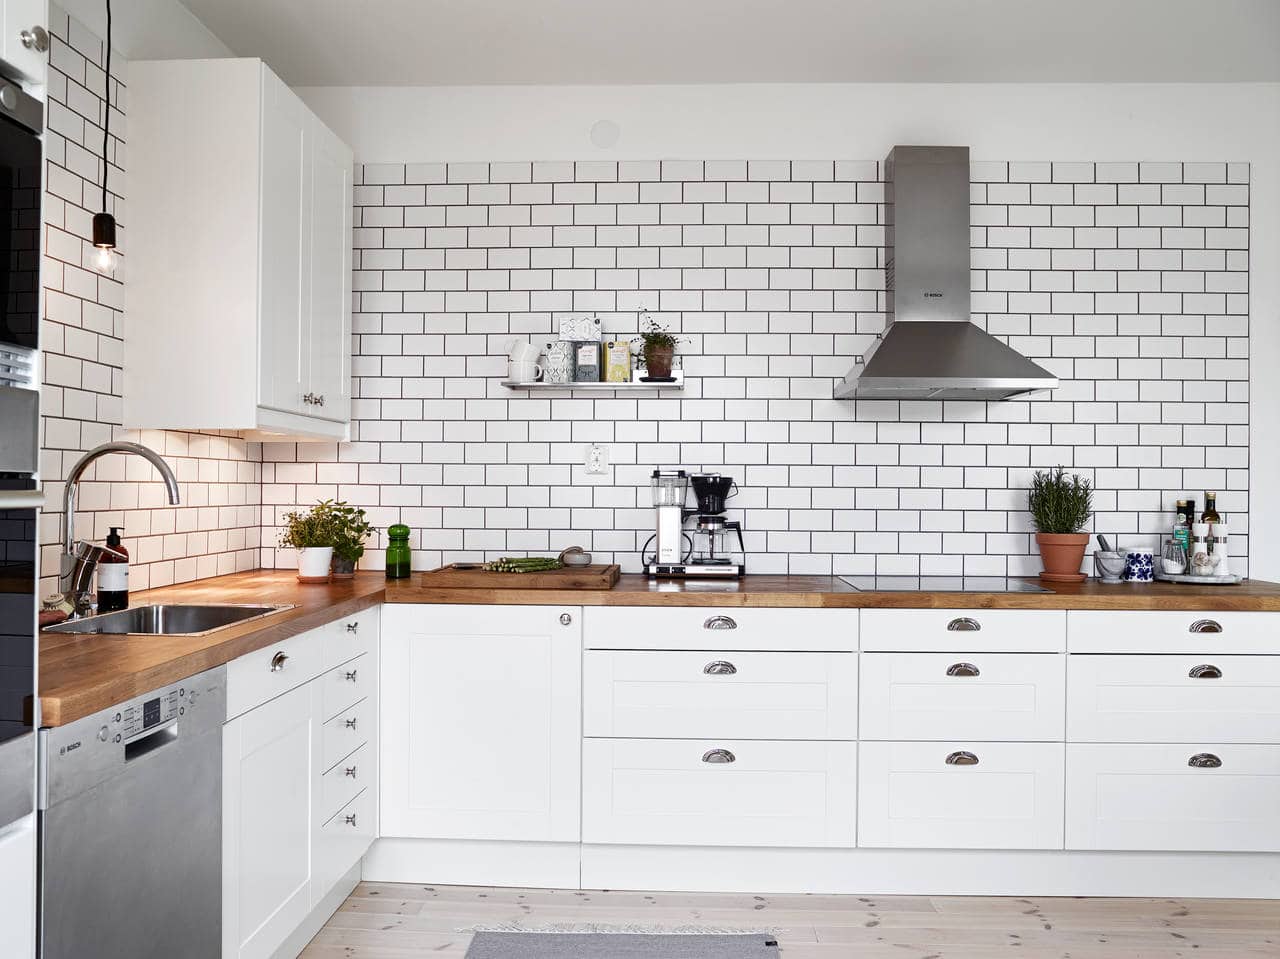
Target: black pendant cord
106,118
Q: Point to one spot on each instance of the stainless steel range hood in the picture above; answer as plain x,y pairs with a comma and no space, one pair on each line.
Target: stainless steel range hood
929,349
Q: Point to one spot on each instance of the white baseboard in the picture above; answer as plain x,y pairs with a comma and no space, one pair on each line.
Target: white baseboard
467,862
930,872
317,917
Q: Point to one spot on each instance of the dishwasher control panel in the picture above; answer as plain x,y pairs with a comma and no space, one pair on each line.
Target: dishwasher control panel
143,715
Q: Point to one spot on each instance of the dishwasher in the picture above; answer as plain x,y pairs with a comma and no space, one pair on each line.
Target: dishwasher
131,827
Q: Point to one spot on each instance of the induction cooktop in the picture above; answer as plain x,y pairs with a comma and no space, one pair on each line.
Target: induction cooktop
942,584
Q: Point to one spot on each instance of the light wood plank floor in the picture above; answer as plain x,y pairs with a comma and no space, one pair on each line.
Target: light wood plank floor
395,921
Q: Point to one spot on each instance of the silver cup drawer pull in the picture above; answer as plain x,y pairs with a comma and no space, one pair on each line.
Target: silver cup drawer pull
963,624
715,756
1207,671
720,668
720,622
963,669
1204,761
278,661
1206,626
962,758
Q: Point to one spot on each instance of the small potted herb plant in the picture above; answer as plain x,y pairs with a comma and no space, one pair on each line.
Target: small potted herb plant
350,532
658,348
312,534
1060,508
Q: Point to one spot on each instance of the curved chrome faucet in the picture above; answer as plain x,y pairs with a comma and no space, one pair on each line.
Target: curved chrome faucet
79,562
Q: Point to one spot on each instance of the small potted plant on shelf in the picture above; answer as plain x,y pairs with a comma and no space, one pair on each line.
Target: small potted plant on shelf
658,348
1060,508
350,531
312,534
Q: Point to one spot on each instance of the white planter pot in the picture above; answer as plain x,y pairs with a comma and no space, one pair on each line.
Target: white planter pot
313,562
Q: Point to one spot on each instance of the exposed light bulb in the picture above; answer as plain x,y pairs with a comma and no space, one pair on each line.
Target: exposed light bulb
104,260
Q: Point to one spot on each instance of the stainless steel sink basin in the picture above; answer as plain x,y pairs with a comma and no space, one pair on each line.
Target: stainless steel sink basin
165,620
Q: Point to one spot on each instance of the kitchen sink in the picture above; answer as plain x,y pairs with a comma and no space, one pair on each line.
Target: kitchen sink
165,620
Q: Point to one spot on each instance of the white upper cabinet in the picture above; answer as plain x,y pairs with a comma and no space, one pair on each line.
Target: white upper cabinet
25,45
238,257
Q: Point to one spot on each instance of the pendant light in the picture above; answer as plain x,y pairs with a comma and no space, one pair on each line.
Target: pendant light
104,258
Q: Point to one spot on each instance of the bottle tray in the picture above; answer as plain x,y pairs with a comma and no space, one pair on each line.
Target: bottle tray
1198,580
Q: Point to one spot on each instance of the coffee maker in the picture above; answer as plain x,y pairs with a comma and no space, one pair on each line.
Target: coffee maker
708,552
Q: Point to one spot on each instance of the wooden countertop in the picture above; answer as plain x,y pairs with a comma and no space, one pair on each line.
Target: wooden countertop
829,592
80,674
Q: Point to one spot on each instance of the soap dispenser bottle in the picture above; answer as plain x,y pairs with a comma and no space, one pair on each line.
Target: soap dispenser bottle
113,575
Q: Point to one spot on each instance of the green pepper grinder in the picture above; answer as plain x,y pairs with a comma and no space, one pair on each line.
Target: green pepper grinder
399,556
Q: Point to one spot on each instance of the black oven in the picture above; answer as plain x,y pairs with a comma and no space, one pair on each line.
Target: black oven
20,500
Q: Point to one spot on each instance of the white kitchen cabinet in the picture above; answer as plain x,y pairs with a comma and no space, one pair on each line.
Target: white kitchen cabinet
718,792
669,694
18,889
481,722
964,630
239,258
20,48
1172,631
960,795
300,780
721,627
1173,797
1174,699
977,696
270,777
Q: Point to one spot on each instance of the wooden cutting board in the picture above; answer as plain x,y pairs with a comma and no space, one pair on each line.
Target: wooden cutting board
470,576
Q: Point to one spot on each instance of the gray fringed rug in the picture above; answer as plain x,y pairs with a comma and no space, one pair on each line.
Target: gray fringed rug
606,945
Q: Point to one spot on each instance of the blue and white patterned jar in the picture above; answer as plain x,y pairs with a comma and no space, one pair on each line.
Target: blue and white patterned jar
1139,566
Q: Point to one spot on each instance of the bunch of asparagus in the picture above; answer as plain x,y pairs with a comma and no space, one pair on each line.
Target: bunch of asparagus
527,564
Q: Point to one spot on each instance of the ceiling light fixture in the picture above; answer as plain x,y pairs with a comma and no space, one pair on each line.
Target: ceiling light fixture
104,257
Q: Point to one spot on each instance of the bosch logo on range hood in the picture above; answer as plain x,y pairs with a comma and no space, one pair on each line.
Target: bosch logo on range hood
930,350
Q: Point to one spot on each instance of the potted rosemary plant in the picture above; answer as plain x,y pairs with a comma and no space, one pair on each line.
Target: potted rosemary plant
350,530
312,534
1060,508
658,348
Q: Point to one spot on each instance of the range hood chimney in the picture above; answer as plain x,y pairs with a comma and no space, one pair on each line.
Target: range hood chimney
930,350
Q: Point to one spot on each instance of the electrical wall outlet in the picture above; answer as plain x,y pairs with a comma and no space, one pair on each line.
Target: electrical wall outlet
597,459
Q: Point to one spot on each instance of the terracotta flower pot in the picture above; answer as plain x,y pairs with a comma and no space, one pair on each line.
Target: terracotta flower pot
657,360
1062,554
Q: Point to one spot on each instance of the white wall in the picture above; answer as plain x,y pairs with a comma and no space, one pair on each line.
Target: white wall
819,121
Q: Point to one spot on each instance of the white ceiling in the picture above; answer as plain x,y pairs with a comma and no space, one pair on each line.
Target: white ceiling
419,42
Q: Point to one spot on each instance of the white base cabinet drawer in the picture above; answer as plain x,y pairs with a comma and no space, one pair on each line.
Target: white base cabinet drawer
351,636
964,630
1169,631
340,784
346,732
665,694
342,841
1174,699
711,627
266,673
345,685
935,796
1187,797
675,792
972,696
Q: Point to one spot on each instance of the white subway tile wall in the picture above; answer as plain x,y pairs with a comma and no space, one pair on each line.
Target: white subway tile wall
217,527
1128,280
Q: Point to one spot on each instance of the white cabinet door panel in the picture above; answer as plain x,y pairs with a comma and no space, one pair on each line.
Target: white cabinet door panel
1152,797
343,840
911,796
712,627
285,235
1174,699
265,673
345,685
669,792
1166,631
663,694
964,630
329,276
270,775
481,722
980,696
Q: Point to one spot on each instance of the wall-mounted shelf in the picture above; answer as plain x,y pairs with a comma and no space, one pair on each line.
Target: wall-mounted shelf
633,387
